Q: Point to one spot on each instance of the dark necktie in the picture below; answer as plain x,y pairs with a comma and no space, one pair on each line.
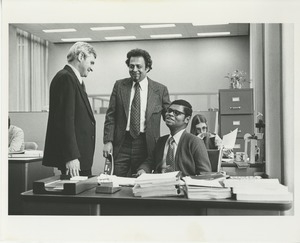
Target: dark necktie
170,159
83,86
135,112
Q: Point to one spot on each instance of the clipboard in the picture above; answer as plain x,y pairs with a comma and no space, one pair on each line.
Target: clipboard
109,165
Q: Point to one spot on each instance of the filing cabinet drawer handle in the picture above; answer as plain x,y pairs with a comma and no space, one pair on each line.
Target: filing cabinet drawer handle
239,131
235,107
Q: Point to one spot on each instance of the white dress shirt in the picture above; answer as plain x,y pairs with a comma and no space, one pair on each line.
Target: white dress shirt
143,95
76,73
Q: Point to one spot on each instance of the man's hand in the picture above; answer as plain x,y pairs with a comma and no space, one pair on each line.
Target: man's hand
107,149
203,135
140,172
73,167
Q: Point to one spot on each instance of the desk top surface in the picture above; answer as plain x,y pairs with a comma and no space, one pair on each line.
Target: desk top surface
232,164
125,195
24,159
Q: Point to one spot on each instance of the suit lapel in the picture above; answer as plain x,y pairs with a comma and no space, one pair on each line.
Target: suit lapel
125,95
181,140
160,151
151,99
82,93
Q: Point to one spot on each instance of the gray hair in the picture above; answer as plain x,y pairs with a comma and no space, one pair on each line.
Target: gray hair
80,47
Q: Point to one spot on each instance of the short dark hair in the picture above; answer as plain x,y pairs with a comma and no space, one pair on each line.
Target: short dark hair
140,53
195,121
188,110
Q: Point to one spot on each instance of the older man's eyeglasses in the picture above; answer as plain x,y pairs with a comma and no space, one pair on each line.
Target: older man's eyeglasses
175,112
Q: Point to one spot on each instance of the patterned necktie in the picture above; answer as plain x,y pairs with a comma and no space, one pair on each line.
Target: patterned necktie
170,159
135,112
83,86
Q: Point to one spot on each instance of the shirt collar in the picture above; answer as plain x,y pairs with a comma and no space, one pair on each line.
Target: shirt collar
76,73
143,83
177,136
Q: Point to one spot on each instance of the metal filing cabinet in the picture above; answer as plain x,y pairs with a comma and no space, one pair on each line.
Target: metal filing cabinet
236,111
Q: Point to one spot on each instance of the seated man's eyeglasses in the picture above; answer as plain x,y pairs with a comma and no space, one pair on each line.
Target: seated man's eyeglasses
175,112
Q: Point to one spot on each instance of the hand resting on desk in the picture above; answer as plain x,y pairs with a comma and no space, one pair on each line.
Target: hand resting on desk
73,167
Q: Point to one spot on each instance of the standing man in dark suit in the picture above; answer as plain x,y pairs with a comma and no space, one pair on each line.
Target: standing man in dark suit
70,137
132,123
179,151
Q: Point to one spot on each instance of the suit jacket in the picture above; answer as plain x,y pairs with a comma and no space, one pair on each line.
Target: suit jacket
71,123
117,113
191,156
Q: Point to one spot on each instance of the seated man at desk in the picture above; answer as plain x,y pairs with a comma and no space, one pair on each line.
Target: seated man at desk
179,151
15,138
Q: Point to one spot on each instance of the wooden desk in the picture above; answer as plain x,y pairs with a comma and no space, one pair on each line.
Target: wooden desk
233,170
124,203
22,173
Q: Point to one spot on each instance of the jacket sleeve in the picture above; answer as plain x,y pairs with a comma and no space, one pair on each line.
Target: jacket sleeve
149,164
110,118
64,117
152,160
165,101
202,162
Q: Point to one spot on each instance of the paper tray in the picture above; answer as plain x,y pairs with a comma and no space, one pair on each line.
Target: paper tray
47,186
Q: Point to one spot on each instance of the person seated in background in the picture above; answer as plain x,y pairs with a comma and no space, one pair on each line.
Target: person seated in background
15,138
179,151
211,140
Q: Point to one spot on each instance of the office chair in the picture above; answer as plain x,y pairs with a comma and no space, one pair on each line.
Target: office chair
30,146
215,157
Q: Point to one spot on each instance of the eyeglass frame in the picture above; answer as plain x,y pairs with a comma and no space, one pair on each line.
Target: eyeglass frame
175,112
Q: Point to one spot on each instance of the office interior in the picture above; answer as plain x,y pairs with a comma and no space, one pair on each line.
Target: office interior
192,67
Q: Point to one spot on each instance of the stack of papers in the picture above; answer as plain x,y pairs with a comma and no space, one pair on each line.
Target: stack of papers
206,189
157,185
259,190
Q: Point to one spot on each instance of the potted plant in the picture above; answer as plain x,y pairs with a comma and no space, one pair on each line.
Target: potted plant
237,79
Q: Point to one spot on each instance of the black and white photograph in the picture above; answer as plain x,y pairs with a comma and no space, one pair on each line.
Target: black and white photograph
125,117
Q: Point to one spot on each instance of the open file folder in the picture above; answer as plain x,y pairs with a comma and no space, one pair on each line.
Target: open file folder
229,139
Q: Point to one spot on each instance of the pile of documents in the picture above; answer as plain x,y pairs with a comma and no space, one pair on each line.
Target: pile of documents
157,185
259,189
199,188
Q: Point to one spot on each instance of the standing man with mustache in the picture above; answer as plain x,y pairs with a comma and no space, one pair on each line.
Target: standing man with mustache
70,137
179,151
132,123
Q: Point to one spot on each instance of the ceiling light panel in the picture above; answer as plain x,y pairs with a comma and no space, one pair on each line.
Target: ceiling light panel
59,30
166,36
120,38
213,34
75,39
207,24
151,26
107,28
